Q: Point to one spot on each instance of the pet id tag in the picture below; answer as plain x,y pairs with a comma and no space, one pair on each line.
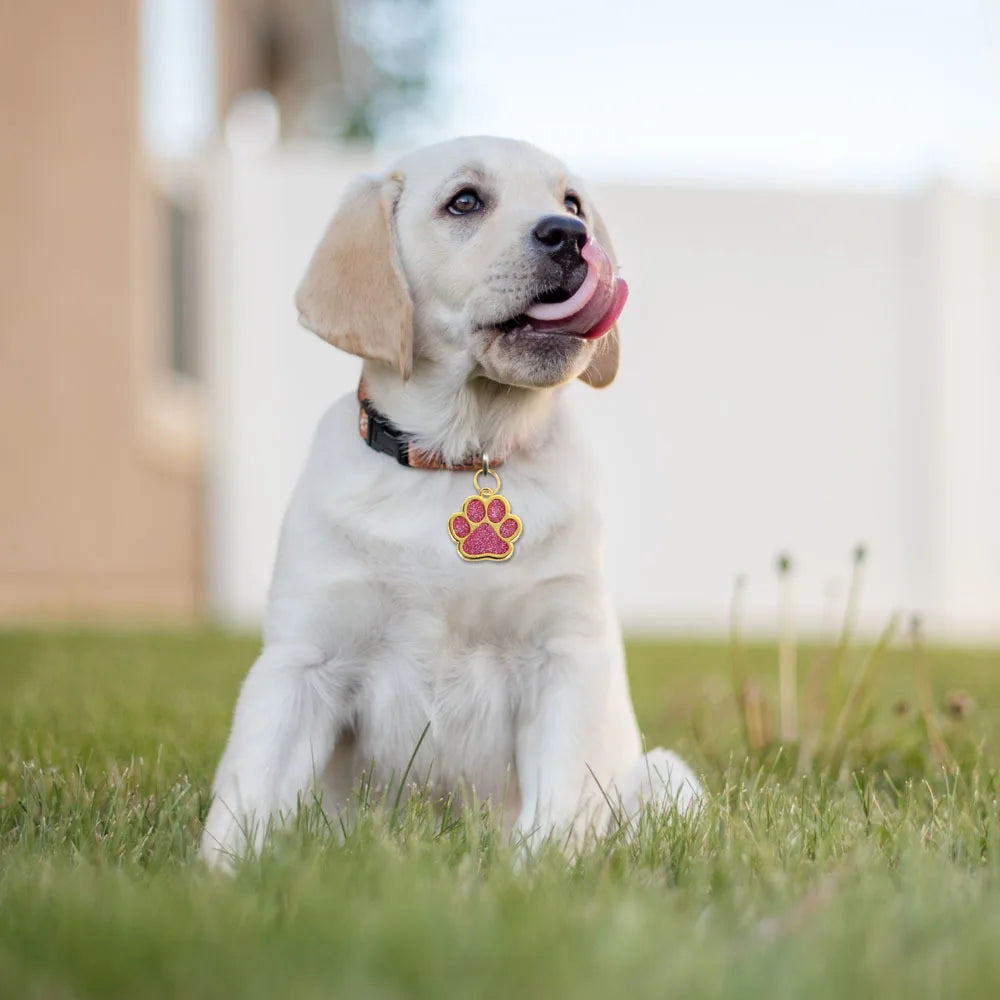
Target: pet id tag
485,528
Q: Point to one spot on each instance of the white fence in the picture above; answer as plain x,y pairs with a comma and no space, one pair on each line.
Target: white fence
802,371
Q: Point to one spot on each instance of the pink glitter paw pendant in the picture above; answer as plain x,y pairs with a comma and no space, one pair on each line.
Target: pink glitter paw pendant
485,528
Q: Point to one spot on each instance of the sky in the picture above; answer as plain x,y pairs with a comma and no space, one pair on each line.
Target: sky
777,92
861,93
178,68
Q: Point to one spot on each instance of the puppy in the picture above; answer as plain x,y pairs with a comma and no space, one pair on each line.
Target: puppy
415,606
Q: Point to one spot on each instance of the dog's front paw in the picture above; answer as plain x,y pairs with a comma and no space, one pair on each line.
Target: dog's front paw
485,528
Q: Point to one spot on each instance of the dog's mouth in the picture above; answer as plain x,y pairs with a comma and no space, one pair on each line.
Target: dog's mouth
589,311
554,295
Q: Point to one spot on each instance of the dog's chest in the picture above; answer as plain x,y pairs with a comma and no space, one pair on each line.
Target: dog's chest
442,651
457,679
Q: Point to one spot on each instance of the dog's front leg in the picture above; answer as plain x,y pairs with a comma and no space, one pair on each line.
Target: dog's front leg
554,748
287,719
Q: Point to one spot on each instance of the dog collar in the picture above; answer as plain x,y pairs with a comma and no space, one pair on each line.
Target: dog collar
485,528
381,434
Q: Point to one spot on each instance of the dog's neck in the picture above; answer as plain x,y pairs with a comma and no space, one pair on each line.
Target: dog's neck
460,418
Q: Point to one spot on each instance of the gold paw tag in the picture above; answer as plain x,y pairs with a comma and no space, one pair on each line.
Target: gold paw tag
485,528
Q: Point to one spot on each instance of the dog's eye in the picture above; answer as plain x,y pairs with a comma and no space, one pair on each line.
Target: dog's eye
466,201
573,205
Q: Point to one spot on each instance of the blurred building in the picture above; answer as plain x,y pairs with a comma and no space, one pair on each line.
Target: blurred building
99,506
103,420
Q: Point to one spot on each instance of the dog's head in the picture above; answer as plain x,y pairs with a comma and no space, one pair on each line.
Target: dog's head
482,249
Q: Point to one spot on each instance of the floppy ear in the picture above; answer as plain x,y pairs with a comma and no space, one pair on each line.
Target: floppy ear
354,294
604,365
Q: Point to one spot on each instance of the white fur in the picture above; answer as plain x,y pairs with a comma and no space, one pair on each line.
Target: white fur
376,630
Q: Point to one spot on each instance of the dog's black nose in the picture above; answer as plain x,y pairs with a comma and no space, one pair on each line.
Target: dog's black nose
561,233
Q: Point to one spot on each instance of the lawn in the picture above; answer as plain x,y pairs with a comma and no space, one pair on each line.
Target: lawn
867,866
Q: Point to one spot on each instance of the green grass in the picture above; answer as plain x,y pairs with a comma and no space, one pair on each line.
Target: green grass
877,876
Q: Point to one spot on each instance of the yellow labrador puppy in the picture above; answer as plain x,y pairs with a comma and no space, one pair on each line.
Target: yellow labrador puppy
415,595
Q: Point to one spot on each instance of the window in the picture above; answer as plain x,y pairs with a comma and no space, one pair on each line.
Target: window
182,275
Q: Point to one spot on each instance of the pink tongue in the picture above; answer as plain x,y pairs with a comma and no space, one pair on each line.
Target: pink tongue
593,308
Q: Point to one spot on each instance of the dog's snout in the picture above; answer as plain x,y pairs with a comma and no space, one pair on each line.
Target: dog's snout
560,233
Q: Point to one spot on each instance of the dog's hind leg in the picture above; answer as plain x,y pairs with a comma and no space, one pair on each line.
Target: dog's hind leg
287,719
661,780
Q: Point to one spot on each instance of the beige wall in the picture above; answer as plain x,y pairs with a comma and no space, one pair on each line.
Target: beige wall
801,371
96,518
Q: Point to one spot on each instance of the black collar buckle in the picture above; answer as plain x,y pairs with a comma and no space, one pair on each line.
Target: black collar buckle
384,436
